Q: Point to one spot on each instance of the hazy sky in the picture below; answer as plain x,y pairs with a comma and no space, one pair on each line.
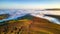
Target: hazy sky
29,4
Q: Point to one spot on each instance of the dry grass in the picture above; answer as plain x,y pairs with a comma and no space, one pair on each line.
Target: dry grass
34,26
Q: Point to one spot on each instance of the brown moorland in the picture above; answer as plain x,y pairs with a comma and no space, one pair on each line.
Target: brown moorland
33,26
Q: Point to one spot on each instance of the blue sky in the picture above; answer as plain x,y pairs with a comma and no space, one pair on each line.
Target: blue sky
29,4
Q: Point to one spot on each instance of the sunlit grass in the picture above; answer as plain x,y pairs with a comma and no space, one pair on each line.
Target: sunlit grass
32,26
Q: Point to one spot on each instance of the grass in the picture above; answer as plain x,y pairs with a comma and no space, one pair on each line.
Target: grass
3,16
31,25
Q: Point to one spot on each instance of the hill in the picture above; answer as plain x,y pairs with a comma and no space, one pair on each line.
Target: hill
3,16
54,9
55,16
29,25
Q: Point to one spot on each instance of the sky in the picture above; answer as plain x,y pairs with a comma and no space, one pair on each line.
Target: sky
29,4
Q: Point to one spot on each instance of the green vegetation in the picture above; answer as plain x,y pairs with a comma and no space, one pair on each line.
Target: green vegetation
3,16
29,17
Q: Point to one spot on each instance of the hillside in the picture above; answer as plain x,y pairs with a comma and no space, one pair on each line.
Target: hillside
3,16
54,9
55,16
29,25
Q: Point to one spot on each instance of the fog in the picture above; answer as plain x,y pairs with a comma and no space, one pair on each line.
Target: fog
14,14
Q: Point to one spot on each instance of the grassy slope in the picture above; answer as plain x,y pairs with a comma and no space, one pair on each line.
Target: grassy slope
3,16
29,25
44,26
